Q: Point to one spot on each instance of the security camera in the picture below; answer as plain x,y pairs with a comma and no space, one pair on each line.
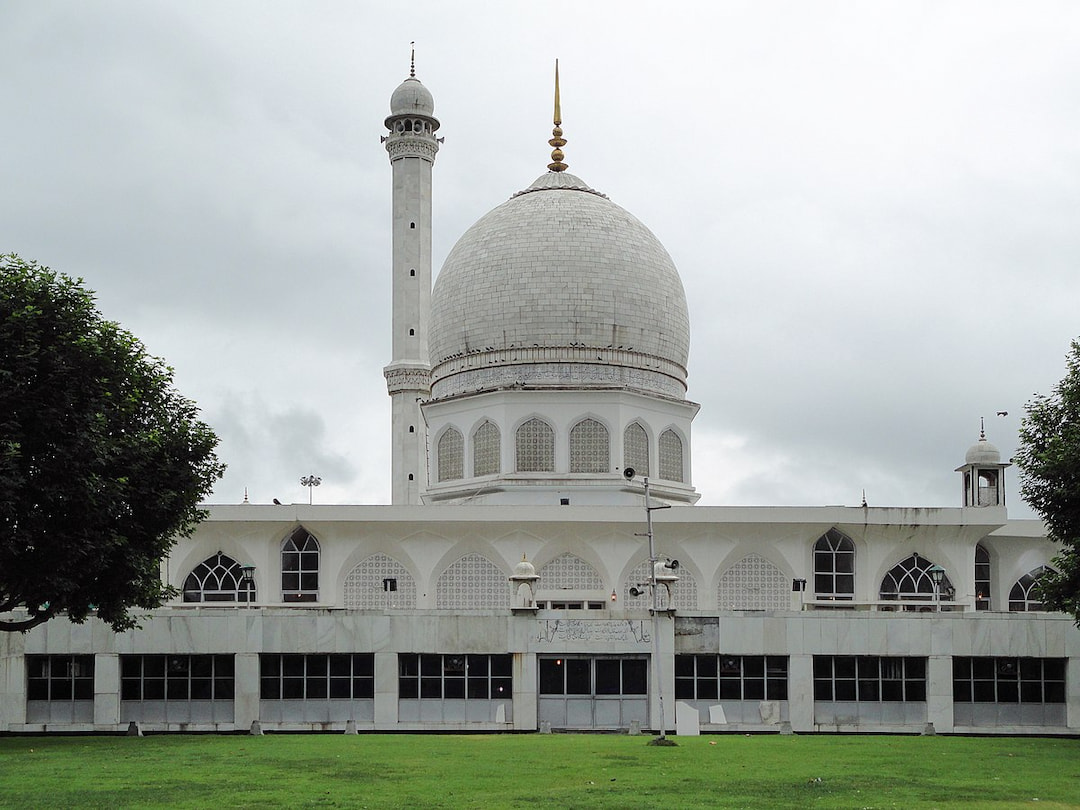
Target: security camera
673,565
628,473
635,591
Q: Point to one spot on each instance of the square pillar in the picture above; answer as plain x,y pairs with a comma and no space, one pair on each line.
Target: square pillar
801,692
106,691
12,691
246,690
939,693
386,690
526,691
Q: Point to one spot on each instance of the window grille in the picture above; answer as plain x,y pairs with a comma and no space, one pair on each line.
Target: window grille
636,448
218,579
451,455
300,567
313,676
834,566
869,678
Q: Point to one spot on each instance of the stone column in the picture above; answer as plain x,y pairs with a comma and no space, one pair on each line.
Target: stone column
106,691
939,693
246,690
801,692
386,691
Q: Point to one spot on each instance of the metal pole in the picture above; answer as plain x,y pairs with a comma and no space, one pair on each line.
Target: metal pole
656,611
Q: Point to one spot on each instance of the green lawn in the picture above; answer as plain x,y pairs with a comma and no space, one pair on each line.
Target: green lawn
537,770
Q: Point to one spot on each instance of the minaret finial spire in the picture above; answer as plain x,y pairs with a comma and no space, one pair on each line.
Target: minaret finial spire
557,140
412,60
982,428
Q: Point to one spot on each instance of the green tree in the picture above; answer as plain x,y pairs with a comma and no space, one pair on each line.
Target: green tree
1049,460
102,463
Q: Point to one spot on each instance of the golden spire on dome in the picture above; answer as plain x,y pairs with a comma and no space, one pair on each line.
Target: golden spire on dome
557,140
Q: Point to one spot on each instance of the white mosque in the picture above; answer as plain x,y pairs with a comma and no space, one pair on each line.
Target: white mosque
543,565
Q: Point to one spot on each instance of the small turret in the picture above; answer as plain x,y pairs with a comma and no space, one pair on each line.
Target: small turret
983,473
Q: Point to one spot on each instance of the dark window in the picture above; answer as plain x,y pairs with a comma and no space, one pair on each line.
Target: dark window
300,567
869,678
1008,680
731,677
1022,596
982,578
316,676
834,566
470,677
594,676
910,580
176,677
59,677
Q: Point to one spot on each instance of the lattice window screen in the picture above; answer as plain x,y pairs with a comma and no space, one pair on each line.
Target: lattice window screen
365,588
590,447
636,448
535,447
754,583
671,456
568,572
451,455
486,449
472,582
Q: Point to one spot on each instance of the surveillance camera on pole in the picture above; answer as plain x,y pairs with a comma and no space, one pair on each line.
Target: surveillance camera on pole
666,575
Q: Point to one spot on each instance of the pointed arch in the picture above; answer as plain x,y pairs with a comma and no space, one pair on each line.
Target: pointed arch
535,442
671,456
568,572
754,583
487,450
218,579
636,448
910,580
1022,596
590,447
451,452
300,554
366,585
473,581
834,566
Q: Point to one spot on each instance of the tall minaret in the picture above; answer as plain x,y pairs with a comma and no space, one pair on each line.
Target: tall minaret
412,146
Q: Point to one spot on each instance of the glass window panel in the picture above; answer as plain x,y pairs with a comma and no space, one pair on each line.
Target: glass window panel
502,665
552,674
754,689
342,688
984,691
608,672
1008,692
292,688
270,688
223,688
408,688
915,690
501,688
578,676
153,689
478,688
316,687
202,688
635,673
340,665
431,687
454,687
845,690
823,690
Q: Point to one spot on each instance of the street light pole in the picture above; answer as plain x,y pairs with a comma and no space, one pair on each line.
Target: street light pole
310,481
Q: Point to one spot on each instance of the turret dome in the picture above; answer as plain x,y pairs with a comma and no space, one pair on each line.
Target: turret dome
412,98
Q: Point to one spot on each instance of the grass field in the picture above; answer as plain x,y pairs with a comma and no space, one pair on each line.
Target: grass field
519,771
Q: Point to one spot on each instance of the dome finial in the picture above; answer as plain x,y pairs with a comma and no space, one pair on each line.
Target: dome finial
982,428
557,140
412,60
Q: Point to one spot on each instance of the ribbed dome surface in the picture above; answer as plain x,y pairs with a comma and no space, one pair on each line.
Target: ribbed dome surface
559,274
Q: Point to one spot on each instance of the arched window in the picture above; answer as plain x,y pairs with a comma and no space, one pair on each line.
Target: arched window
754,583
1022,596
910,580
568,572
636,448
535,447
671,456
300,567
451,455
834,566
218,579
982,577
486,450
590,447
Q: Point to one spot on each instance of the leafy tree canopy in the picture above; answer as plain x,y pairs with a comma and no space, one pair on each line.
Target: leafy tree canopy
1049,459
102,462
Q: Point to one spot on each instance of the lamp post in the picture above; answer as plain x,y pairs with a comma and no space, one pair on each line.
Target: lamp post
247,576
310,481
937,573
628,473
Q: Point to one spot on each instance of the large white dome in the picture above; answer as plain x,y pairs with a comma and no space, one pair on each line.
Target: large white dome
559,286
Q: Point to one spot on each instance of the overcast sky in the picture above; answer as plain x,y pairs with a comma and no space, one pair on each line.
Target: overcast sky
874,207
